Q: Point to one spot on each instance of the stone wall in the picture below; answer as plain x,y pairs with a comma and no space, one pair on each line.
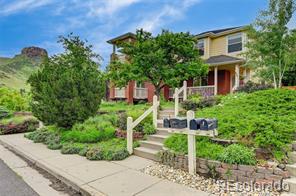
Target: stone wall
217,169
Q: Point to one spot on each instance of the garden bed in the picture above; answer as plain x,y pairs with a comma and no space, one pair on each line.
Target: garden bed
259,120
18,124
95,139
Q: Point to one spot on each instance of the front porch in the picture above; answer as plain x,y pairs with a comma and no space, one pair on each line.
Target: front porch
226,74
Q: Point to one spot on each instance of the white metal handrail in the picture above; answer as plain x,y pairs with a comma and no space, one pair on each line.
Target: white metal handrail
140,93
132,124
119,92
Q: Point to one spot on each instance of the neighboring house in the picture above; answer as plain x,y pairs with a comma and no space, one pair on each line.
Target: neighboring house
220,49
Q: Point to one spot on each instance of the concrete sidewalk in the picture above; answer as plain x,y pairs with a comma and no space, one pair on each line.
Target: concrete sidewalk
96,177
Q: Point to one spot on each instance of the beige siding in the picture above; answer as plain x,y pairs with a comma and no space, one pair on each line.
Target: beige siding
218,46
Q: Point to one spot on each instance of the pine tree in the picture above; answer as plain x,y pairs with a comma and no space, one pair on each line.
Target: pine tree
69,87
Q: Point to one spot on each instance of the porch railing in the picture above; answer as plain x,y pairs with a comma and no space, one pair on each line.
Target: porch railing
140,93
172,92
205,91
119,93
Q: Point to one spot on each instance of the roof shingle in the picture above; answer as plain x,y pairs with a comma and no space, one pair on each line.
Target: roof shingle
222,59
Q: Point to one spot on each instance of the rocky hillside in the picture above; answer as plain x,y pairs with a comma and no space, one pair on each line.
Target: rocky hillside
15,71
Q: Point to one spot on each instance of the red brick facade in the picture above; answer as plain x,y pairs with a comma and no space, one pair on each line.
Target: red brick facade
224,85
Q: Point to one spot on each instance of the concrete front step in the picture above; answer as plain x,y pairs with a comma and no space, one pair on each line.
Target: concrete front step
151,145
146,153
163,116
172,114
157,138
160,131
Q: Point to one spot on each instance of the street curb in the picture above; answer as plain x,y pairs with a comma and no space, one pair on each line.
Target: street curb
84,191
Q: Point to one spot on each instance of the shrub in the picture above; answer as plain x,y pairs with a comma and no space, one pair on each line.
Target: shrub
264,119
204,147
53,141
250,87
13,100
238,154
149,129
39,136
196,101
93,130
122,119
69,87
72,148
116,155
90,136
4,112
94,154
209,101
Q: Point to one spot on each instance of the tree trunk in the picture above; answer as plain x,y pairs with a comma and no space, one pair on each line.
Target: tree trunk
157,92
274,80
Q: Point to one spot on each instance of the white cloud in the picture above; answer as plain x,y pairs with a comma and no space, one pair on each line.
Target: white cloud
108,7
22,5
168,13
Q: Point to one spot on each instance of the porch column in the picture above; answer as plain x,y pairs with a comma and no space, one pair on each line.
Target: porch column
216,80
236,76
245,76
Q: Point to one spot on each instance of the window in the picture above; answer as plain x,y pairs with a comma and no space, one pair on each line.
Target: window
139,85
235,43
201,47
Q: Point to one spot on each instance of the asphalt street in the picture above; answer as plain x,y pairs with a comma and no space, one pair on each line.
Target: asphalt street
11,184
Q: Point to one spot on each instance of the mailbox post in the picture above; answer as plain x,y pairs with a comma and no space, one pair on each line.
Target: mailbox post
210,130
191,145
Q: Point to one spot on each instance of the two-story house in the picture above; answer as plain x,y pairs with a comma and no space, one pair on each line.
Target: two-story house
220,49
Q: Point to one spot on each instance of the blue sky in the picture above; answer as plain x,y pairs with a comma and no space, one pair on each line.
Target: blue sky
39,22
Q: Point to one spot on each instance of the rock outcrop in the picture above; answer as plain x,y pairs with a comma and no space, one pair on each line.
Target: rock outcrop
33,52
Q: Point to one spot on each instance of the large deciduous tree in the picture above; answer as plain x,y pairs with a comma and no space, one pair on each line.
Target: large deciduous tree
167,59
69,87
271,44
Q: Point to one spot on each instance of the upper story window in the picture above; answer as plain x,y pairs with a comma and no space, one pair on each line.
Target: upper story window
201,47
235,43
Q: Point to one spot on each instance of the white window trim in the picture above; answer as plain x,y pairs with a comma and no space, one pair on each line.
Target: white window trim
204,44
233,35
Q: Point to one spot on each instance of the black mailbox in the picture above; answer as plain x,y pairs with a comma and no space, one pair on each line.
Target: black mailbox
179,123
166,123
195,123
203,124
209,124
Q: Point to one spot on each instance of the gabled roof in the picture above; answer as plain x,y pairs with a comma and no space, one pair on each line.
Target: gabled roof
223,59
122,37
219,32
